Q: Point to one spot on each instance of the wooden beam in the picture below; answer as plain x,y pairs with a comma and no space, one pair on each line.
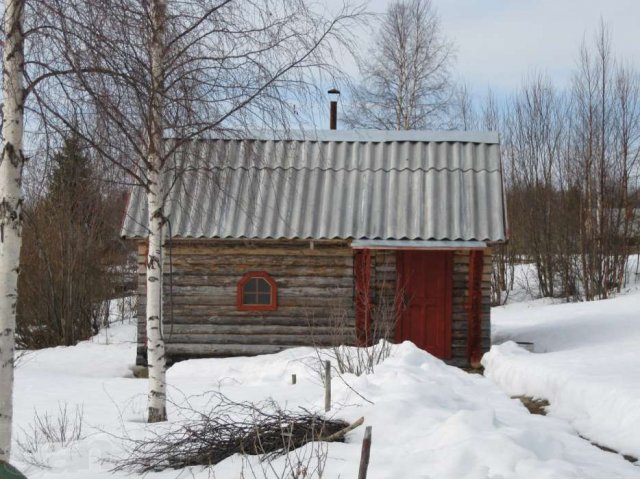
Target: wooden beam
474,308
362,271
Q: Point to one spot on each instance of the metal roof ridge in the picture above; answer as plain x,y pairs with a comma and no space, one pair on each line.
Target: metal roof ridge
363,135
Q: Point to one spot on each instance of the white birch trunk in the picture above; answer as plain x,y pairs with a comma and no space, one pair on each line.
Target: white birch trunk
10,209
155,198
155,339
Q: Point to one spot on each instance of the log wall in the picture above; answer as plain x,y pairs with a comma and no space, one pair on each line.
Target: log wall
316,291
459,327
315,295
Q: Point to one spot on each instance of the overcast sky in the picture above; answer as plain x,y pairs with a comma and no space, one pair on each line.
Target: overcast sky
500,41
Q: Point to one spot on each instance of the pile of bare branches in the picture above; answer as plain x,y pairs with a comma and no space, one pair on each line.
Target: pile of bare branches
228,428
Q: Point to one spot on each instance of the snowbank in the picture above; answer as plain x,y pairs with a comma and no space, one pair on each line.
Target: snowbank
428,419
586,364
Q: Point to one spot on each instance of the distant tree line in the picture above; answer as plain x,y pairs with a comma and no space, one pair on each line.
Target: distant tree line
571,161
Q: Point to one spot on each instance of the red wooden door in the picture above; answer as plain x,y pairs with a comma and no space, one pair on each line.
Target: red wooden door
426,282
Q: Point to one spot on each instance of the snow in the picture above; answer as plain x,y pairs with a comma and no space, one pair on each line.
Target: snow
428,419
585,363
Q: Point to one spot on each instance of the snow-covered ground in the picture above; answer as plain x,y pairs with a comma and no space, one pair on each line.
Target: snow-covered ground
429,419
586,362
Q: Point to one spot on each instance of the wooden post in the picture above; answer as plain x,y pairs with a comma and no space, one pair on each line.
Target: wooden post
474,308
293,379
364,455
362,271
327,385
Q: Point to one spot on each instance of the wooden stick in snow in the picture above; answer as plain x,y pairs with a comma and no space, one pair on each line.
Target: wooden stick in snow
327,385
344,431
364,456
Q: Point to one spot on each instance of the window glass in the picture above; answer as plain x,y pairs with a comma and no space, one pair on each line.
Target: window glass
256,291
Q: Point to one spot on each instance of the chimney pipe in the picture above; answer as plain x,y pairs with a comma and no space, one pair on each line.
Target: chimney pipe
334,94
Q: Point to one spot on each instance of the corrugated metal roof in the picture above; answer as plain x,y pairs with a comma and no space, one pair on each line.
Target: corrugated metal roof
355,184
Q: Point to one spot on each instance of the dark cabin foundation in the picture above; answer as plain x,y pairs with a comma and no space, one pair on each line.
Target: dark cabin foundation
439,299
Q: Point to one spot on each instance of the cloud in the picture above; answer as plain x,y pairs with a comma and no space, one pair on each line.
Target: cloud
499,42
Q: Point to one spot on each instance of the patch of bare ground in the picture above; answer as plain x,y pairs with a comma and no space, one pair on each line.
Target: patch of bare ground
536,406
477,370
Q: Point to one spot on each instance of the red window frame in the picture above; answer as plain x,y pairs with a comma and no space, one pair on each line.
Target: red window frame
256,307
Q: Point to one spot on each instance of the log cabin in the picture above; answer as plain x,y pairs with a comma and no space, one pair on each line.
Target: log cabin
317,238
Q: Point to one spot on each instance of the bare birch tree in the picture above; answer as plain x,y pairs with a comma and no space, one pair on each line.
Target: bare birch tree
406,80
571,164
463,114
10,206
535,132
149,71
604,157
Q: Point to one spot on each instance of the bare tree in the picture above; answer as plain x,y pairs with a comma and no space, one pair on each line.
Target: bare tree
10,206
406,75
604,156
503,256
571,162
72,258
535,130
463,113
150,76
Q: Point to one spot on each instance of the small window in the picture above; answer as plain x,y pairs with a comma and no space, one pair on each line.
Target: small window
257,291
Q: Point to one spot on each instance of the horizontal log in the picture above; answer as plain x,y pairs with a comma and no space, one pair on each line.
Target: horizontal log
264,251
292,340
287,305
237,270
306,322
385,278
230,301
461,308
250,261
267,260
337,307
281,281
223,267
458,351
220,257
464,276
458,362
458,335
460,267
208,329
200,350
319,309
387,267
283,292
461,344
229,350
